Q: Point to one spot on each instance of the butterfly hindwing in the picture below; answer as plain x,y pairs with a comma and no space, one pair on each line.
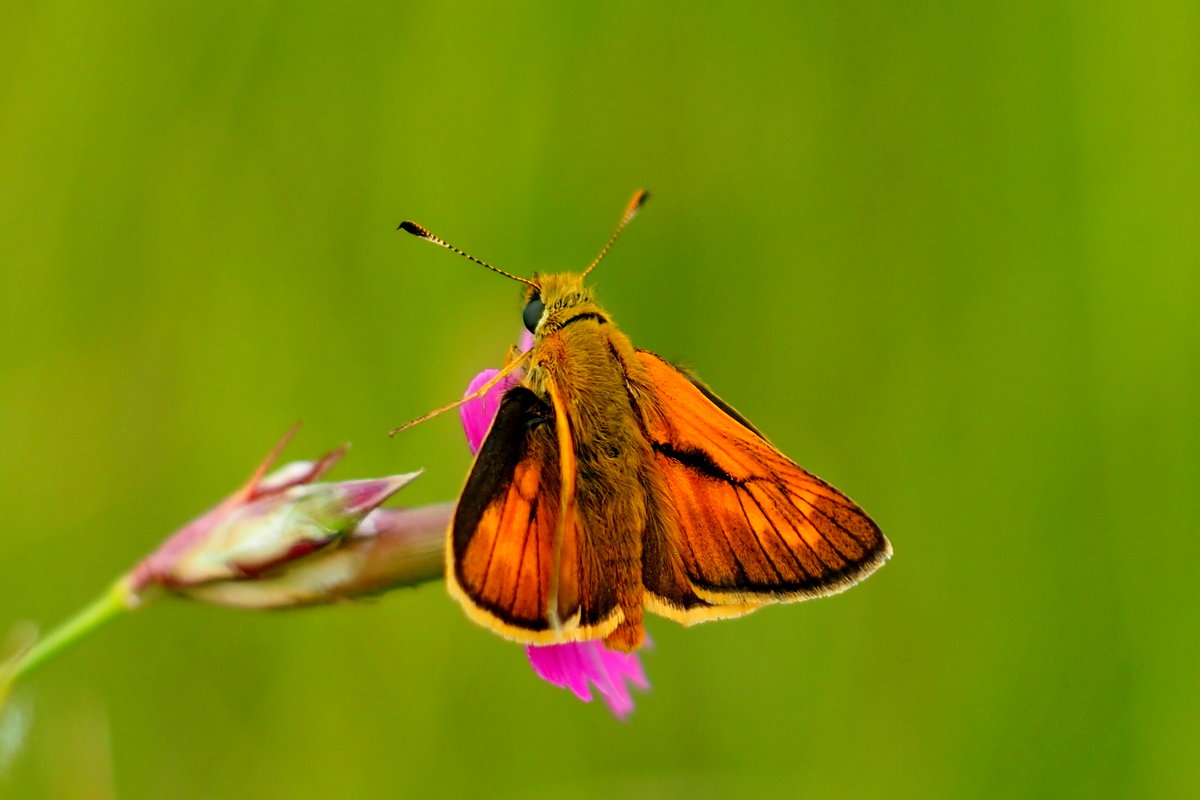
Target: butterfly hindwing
744,525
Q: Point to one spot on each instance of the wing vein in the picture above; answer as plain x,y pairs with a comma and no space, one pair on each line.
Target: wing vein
783,541
800,535
520,563
754,534
827,541
864,545
487,569
741,568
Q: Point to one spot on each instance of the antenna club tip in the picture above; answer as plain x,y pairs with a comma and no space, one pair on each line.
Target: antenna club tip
636,202
408,226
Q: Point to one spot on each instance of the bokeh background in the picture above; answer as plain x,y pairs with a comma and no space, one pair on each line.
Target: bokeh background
944,254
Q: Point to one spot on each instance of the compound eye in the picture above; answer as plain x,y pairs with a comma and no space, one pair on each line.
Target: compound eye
533,314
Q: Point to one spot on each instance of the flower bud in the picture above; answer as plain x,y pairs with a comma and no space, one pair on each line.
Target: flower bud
283,540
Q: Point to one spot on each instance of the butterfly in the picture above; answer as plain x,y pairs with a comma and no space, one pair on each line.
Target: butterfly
612,482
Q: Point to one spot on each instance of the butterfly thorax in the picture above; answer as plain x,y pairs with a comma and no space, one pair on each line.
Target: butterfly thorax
588,360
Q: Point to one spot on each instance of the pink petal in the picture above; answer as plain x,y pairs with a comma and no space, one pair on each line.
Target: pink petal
477,413
576,664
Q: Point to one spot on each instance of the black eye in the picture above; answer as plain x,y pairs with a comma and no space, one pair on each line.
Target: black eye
533,313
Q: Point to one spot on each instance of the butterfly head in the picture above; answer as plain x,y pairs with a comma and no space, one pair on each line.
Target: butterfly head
553,301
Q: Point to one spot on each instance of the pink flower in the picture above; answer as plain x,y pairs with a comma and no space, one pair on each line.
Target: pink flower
572,665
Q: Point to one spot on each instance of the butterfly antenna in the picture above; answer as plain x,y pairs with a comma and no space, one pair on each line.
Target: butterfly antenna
639,197
420,231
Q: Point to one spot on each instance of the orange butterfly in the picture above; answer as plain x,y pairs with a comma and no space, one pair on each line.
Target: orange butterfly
611,481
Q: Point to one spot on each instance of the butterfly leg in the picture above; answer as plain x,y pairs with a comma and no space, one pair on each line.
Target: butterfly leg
514,354
509,368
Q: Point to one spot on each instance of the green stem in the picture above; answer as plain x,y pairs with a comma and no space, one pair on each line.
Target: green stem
117,599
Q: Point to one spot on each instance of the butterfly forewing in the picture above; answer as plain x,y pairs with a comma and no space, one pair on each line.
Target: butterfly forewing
746,525
502,537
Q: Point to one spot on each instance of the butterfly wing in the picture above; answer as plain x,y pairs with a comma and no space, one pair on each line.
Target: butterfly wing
502,540
741,524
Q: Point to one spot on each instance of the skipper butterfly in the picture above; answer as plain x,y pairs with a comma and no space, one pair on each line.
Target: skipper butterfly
612,481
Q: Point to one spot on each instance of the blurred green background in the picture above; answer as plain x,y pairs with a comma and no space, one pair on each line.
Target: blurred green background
944,254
